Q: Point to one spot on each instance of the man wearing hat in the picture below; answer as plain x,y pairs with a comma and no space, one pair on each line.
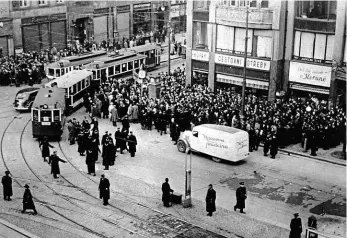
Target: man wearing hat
132,142
210,200
295,227
7,186
28,202
54,160
241,195
104,189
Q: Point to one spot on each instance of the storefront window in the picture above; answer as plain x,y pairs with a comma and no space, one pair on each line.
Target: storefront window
240,35
316,9
313,45
201,35
200,78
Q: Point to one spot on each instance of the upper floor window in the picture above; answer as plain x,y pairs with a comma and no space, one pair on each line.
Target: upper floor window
201,5
316,9
59,1
243,3
264,4
42,2
201,35
23,3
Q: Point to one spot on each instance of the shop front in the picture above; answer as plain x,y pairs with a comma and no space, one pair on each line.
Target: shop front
307,80
142,19
229,74
43,32
200,66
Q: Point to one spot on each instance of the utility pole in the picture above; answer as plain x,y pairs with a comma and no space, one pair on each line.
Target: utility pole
169,48
244,68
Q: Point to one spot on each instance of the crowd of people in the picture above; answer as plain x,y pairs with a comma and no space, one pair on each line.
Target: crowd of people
180,107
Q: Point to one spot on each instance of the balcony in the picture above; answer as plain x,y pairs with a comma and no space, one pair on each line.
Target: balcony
315,24
239,15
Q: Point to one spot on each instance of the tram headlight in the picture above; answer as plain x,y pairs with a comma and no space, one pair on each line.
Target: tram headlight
45,106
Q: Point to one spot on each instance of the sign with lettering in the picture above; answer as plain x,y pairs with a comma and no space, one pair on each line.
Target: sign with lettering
125,8
239,62
175,10
47,18
142,6
200,55
312,74
101,10
239,15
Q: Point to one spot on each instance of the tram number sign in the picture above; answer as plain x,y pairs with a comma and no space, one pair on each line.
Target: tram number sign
46,123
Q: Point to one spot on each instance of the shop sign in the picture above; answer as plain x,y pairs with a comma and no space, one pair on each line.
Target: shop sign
312,60
4,10
175,11
125,8
239,62
35,20
312,74
200,55
142,6
240,15
101,10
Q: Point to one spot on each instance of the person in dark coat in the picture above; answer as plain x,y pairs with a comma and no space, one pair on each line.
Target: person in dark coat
117,137
45,148
107,153
28,202
267,143
81,141
295,227
241,195
210,200
132,142
274,146
91,158
166,189
104,189
125,124
123,145
54,160
7,186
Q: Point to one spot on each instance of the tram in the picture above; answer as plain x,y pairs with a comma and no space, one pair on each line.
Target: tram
67,64
119,65
48,113
75,84
24,99
152,52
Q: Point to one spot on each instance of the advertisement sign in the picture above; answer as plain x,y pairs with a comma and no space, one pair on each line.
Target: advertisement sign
175,11
142,6
318,75
239,15
125,8
200,55
239,62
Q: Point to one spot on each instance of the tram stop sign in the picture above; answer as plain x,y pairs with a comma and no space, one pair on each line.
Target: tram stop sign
142,74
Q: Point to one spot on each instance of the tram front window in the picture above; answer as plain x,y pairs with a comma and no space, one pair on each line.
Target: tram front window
57,72
51,72
56,114
46,115
94,74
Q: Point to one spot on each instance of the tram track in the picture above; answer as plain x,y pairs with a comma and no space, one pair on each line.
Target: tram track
39,201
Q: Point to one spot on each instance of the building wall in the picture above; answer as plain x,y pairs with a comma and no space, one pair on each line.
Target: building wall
6,29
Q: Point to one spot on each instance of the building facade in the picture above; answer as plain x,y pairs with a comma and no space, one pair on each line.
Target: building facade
6,29
287,41
315,50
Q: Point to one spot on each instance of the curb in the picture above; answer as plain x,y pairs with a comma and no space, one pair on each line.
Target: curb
17,229
289,152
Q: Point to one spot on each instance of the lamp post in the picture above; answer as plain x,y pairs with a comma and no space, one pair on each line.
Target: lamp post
244,67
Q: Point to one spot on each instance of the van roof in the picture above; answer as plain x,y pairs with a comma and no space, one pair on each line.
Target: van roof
228,129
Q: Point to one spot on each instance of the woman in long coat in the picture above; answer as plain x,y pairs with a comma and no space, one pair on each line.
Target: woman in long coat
81,141
28,202
45,148
54,160
210,200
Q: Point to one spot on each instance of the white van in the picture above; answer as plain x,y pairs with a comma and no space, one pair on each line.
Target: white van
220,142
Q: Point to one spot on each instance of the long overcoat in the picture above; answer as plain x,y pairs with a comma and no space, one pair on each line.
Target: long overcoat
295,228
7,185
211,200
45,148
54,160
166,192
104,188
114,114
132,142
28,202
241,196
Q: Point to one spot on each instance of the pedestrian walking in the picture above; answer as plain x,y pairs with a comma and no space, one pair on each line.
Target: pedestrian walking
7,186
132,142
273,146
113,114
81,141
44,146
72,132
54,160
104,189
295,227
117,137
166,189
28,202
210,200
91,158
241,195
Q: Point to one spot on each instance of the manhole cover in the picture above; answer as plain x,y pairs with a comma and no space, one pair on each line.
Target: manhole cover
338,155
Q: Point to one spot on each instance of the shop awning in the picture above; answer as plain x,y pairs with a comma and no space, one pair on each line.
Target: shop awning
309,88
250,83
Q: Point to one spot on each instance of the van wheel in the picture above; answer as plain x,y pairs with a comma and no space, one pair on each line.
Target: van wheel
181,146
215,159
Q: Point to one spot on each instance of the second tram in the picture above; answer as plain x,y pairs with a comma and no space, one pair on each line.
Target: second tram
152,52
48,113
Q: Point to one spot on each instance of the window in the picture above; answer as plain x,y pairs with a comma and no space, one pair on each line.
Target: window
201,35
130,65
74,89
59,1
242,3
136,64
56,115
316,9
117,69
35,115
42,2
253,3
57,73
84,83
225,38
313,46
23,3
124,67
46,115
264,4
110,70
51,72
87,81
240,35
263,47
79,86
201,5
